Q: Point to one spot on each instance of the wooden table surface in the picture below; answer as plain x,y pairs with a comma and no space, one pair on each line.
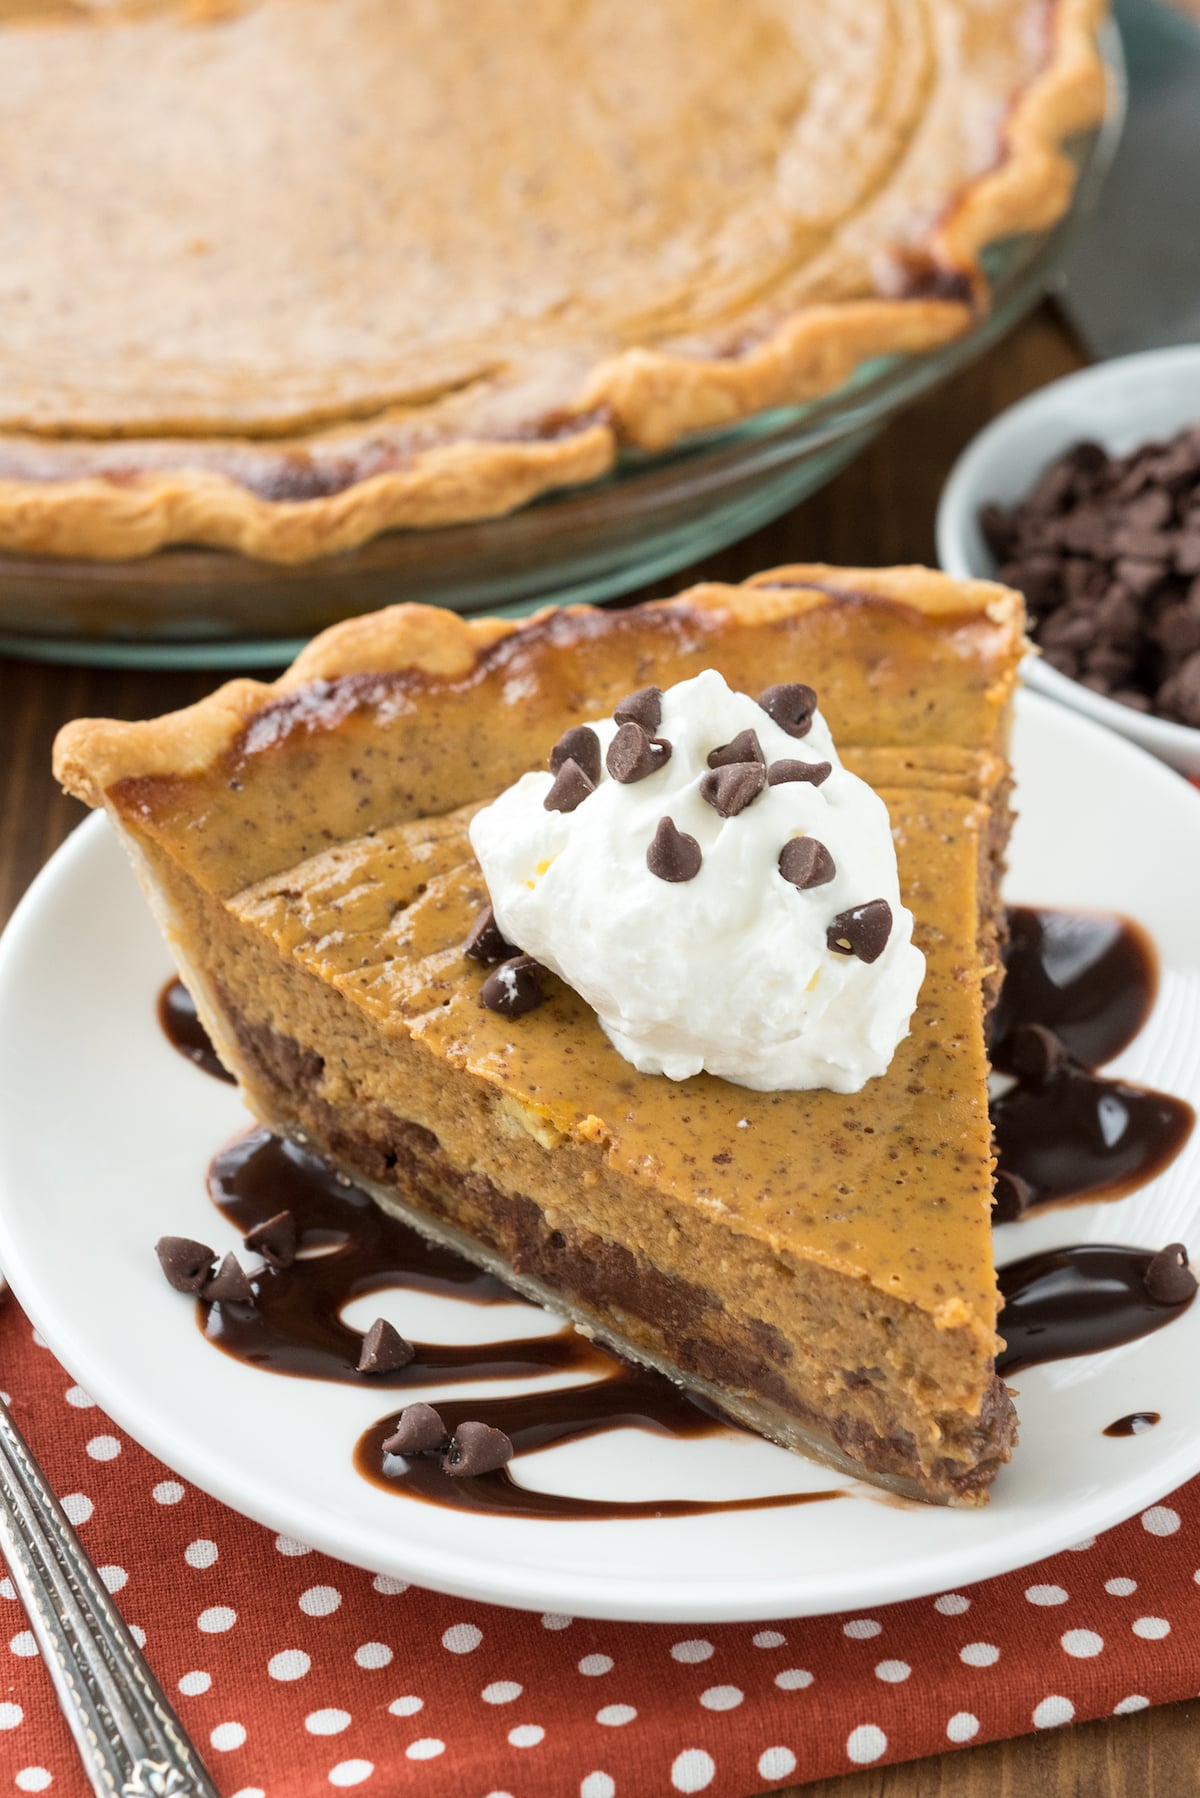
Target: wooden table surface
879,510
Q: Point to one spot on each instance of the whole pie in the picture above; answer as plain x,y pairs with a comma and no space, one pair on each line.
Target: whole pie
818,1265
278,275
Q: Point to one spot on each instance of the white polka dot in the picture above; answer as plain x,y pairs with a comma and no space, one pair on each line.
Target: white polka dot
893,1673
1052,1711
768,1638
226,1736
692,1770
289,1663
114,1577
383,1582
250,1792
556,1620
861,1629
1151,1629
462,1638
776,1763
1160,1520
352,1773
327,1722
33,1779
10,1715
78,1507
139,1635
597,1785
499,1795
962,1727
216,1619
104,1448
526,1735
1078,1548
695,1649
288,1545
979,1654
501,1691
39,1340
866,1743
407,1706
373,1655
614,1715
596,1664
793,1679
1082,1644
952,1604
1127,1706
426,1749
192,1684
24,1643
1046,1595
1120,1588
320,1601
7,1589
722,1698
81,1400
167,1492
200,1553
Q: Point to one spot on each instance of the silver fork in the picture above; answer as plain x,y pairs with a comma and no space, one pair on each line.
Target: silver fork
130,1740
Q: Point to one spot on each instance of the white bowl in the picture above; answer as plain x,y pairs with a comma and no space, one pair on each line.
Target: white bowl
1119,405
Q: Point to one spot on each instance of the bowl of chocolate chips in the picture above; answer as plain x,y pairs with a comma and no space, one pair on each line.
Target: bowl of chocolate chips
1086,497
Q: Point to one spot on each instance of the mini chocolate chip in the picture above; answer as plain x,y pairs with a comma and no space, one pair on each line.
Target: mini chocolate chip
791,705
1011,1199
484,942
419,1431
228,1285
729,790
187,1264
384,1349
570,788
476,1448
672,855
813,772
513,988
861,930
643,707
274,1240
1034,1052
579,744
1168,1279
745,747
806,863
632,755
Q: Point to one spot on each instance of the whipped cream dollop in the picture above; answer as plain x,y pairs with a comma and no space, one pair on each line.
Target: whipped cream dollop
720,890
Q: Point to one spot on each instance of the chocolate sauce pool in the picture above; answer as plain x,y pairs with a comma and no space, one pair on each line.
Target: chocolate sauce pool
1136,1424
1071,1134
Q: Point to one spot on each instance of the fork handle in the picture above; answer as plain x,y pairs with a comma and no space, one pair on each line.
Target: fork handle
131,1742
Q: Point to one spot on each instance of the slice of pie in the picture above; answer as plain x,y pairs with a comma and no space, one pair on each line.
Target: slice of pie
353,264
818,1266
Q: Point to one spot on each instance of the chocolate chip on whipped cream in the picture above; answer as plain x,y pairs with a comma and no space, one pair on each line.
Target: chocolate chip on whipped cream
672,854
186,1263
571,787
814,772
791,706
632,755
731,788
643,707
513,988
579,744
862,930
806,863
745,747
484,940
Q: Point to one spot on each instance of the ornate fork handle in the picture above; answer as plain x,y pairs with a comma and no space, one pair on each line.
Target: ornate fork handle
131,1741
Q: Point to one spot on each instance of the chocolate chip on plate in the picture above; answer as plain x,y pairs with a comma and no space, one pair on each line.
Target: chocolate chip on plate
643,707
791,705
579,744
513,988
673,855
1168,1279
187,1264
745,747
484,942
1011,1197
274,1239
384,1349
569,788
632,755
861,930
476,1448
779,773
1033,1052
419,1431
730,789
229,1285
805,862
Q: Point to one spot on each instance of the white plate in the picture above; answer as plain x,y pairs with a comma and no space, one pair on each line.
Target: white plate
105,1133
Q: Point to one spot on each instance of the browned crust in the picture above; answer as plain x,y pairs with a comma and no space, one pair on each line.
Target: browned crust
641,396
92,755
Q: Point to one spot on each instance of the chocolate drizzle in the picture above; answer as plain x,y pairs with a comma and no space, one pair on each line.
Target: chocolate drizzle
1077,1301
1136,1424
184,1031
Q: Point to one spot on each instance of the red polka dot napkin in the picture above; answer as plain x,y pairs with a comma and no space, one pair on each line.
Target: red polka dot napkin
298,1677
